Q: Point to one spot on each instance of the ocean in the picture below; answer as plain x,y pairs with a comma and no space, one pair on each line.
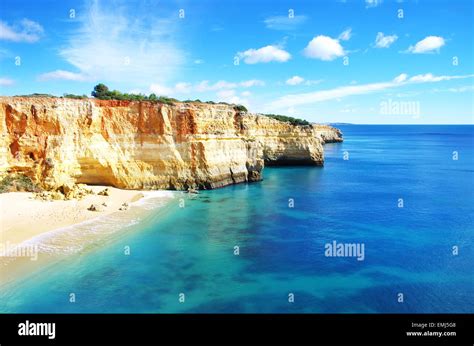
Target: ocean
403,195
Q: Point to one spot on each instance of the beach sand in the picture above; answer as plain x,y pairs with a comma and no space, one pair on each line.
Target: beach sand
23,217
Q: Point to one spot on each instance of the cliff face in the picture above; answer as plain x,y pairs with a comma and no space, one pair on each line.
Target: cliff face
146,145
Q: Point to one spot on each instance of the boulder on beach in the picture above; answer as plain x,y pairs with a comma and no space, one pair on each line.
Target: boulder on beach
104,192
95,207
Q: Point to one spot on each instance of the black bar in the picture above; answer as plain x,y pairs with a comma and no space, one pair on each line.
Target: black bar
315,329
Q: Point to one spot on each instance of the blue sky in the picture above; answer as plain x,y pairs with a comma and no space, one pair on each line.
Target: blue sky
358,61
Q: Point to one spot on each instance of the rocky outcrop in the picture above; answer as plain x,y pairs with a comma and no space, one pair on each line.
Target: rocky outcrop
144,145
328,134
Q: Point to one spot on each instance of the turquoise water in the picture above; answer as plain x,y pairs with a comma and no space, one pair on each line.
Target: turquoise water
190,250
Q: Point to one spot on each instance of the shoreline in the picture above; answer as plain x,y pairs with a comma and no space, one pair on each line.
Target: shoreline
35,233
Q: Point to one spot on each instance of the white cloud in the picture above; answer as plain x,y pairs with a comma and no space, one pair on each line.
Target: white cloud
230,96
345,35
6,81
324,48
295,80
24,31
61,75
251,83
199,61
264,55
222,84
284,22
428,77
384,41
372,3
161,90
350,90
183,87
400,78
124,46
246,93
428,45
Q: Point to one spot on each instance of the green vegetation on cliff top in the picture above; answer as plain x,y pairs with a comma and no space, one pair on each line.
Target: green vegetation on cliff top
102,92
287,119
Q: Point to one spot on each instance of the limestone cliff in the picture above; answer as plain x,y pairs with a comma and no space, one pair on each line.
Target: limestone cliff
145,145
328,134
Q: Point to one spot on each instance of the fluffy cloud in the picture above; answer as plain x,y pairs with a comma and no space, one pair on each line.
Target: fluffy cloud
264,55
428,45
324,48
284,22
295,80
61,75
24,31
350,90
6,81
124,46
382,41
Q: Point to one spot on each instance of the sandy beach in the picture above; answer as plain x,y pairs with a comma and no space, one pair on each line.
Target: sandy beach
23,217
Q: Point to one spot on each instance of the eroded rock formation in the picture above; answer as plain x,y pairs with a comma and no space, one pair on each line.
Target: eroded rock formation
145,145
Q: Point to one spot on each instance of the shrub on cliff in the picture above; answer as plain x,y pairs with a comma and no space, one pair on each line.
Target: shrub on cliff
287,119
167,100
72,96
17,182
36,95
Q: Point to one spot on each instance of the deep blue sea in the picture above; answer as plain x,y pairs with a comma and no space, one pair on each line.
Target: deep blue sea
191,250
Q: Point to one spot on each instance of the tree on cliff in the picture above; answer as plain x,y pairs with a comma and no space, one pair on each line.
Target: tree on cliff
101,91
